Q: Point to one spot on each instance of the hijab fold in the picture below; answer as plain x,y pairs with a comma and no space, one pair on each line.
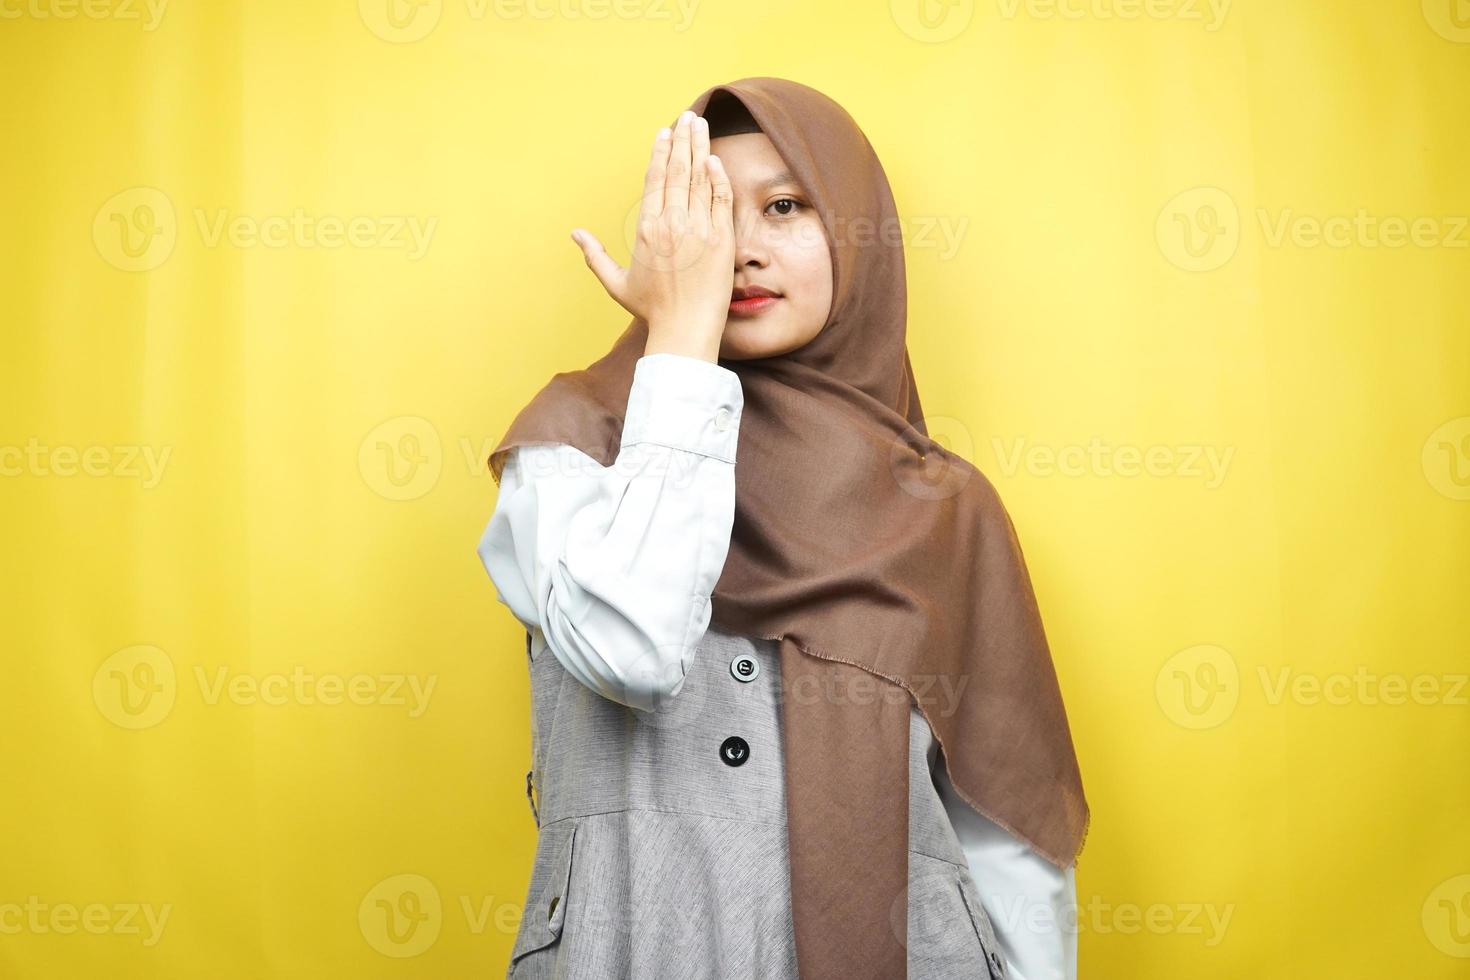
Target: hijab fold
885,565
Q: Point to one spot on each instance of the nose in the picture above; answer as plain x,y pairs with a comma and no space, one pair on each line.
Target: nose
750,251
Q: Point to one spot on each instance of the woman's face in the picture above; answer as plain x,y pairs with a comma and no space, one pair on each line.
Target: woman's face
780,245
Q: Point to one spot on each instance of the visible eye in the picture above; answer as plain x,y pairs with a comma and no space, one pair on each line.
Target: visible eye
793,202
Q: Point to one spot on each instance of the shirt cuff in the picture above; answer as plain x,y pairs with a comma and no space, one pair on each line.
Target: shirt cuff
684,403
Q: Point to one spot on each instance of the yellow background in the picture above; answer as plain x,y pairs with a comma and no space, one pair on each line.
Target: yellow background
1132,192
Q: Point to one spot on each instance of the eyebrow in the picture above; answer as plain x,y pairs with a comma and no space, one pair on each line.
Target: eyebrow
784,177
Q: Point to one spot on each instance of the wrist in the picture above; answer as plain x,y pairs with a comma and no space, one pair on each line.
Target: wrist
702,344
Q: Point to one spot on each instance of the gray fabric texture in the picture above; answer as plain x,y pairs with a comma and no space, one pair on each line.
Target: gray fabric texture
655,859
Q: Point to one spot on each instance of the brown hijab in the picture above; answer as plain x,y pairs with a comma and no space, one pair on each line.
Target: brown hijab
884,564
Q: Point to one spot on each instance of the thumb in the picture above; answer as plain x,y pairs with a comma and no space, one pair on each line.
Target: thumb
603,266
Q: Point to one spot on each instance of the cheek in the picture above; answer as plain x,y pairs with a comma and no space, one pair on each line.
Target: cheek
806,272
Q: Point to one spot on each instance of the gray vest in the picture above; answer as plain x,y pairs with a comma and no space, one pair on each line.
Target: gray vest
661,849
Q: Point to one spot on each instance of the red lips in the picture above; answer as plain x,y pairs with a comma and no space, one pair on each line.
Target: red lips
751,292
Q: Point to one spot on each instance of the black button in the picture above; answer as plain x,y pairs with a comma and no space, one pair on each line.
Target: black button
745,667
734,750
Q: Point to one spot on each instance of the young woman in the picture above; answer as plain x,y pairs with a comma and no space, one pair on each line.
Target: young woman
795,715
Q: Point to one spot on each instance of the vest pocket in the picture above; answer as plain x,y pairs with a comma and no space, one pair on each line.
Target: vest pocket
546,899
994,959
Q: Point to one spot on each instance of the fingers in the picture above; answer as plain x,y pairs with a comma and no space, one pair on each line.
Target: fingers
722,198
603,266
653,181
676,175
699,187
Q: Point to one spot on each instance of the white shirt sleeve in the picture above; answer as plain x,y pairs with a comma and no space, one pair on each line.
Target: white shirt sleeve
615,565
1029,899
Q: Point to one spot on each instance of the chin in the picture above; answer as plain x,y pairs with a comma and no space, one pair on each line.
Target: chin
746,340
